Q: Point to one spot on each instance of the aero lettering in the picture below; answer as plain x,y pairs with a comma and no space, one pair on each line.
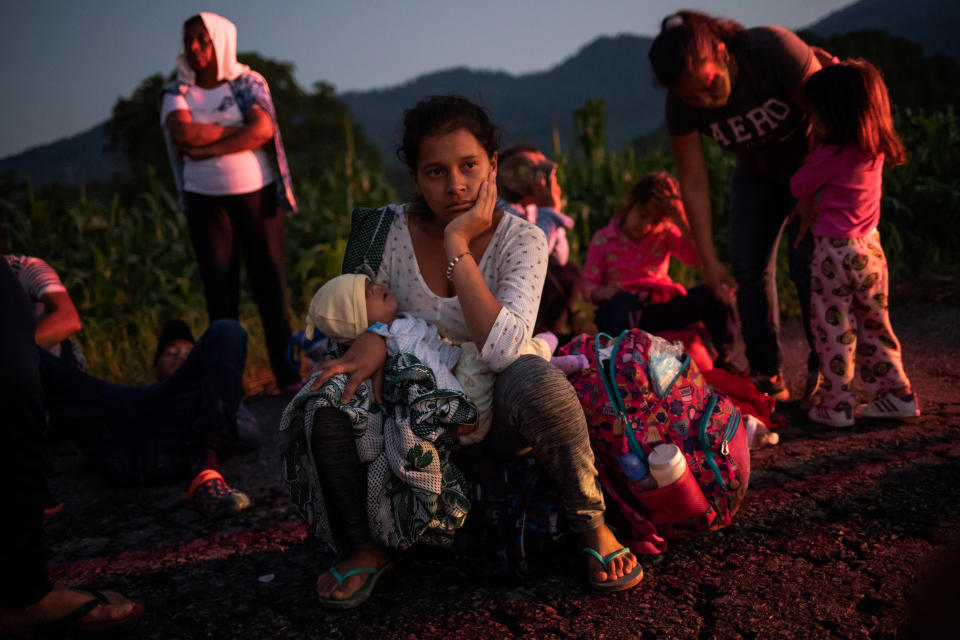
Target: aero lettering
756,123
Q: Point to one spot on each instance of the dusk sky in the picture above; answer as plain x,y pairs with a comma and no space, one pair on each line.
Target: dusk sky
66,62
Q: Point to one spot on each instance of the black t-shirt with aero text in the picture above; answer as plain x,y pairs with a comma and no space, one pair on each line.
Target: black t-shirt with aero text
760,122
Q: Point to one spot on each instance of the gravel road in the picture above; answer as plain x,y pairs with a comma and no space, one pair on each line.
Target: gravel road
845,534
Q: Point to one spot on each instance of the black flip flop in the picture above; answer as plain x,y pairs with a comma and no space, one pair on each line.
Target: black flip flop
72,621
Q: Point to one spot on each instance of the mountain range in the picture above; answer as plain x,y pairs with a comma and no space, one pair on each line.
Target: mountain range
529,106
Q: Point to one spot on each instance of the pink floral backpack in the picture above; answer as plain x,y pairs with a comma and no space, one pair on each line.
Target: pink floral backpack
626,414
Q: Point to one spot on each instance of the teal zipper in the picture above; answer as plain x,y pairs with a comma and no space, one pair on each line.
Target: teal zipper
728,434
609,378
603,374
731,431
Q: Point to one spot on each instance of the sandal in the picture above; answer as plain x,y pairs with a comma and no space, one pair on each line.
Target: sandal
622,583
73,621
362,594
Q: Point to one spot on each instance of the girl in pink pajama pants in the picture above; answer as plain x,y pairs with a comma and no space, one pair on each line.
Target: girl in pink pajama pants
849,278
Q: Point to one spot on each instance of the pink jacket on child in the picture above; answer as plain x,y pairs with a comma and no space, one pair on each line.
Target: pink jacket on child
615,258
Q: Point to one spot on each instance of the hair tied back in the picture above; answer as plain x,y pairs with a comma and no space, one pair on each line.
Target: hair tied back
676,20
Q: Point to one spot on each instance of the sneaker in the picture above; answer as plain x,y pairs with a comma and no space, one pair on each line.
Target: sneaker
890,406
210,494
772,386
811,390
831,417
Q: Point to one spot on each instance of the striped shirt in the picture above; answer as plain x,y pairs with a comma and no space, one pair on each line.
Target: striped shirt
36,276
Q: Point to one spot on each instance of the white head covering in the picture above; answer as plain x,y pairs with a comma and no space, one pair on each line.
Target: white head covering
223,33
339,308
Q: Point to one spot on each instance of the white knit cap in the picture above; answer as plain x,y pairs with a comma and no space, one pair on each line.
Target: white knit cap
339,308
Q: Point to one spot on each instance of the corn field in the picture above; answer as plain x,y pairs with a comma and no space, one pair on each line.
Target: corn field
129,265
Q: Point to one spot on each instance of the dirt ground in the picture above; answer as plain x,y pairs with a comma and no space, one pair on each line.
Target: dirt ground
845,533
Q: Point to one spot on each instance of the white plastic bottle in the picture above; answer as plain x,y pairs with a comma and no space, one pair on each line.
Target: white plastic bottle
758,435
667,464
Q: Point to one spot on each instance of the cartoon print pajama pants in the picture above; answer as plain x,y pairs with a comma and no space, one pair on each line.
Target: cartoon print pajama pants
850,320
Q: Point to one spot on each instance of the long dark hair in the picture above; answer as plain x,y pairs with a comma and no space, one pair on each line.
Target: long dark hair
437,115
685,38
851,100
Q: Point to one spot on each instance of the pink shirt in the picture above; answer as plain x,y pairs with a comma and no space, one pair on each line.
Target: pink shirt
615,258
848,186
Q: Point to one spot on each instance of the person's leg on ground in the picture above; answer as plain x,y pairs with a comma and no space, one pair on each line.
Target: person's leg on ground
799,259
344,482
758,209
534,404
889,393
28,600
260,232
100,417
212,234
835,327
194,418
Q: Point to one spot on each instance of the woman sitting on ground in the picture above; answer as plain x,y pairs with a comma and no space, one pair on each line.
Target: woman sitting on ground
456,261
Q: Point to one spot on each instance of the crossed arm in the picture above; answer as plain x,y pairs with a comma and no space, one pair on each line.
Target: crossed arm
200,140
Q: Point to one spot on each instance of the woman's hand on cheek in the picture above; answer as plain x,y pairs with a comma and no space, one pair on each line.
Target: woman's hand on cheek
472,223
363,360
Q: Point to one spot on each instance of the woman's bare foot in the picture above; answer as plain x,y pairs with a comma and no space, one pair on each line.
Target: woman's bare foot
328,588
61,602
604,542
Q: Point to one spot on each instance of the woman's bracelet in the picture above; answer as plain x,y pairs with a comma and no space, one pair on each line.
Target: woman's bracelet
454,262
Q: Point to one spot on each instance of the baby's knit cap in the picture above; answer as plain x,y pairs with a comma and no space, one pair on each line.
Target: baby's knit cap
339,308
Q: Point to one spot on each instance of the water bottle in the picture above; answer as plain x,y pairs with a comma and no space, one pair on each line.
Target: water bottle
667,464
758,435
636,472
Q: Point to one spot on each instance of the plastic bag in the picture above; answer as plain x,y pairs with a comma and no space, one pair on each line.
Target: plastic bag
663,363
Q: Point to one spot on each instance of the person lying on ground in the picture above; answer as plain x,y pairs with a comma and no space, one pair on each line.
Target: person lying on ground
29,602
176,430
174,343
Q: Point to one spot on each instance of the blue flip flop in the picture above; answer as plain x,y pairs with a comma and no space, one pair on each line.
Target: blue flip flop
620,584
362,594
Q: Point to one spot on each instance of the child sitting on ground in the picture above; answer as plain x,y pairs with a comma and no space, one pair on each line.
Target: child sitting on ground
347,305
627,277
849,303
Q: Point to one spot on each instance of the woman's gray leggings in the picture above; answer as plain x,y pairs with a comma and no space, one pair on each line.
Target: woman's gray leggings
533,405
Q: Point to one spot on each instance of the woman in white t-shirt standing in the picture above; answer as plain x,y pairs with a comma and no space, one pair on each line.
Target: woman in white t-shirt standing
219,121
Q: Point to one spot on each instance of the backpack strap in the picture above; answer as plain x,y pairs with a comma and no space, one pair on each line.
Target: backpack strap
368,237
